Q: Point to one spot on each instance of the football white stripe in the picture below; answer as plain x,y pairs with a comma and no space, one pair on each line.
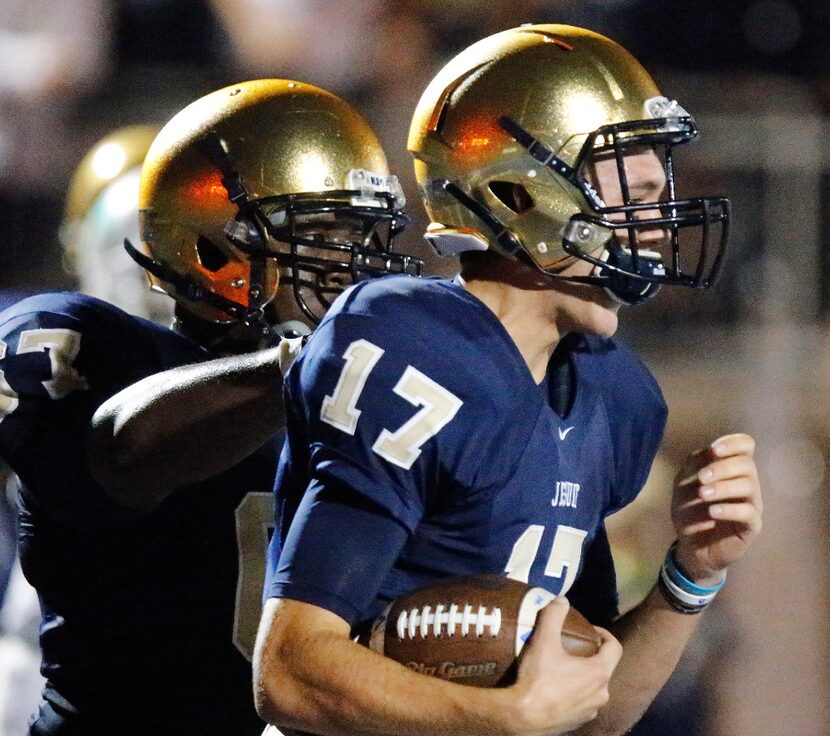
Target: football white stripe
425,621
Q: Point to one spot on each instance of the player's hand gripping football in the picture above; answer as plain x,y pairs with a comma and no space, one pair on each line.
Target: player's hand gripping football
557,691
716,507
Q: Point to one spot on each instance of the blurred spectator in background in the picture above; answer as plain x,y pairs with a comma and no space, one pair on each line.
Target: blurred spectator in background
70,71
52,52
335,40
164,53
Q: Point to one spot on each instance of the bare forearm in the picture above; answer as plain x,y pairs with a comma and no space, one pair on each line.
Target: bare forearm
312,677
336,687
143,441
381,698
653,636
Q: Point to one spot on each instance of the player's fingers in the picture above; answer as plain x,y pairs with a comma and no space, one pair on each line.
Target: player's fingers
704,517
696,527
741,513
734,444
610,650
737,466
715,470
547,631
730,489
686,506
697,460
692,518
723,447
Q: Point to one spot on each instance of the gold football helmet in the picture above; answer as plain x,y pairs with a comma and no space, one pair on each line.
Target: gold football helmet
505,137
116,153
101,209
246,183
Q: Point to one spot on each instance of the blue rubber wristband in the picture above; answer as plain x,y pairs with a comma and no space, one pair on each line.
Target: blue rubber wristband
681,581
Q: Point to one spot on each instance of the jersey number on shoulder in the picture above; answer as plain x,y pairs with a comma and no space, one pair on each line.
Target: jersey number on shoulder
8,397
254,522
564,557
63,347
402,446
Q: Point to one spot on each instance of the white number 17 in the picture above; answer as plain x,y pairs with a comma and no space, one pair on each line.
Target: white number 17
403,446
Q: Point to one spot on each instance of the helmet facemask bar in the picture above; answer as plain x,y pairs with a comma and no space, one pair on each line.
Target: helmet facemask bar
632,260
315,263
676,216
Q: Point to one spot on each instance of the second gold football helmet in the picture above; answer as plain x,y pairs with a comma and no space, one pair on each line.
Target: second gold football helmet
243,185
101,210
504,139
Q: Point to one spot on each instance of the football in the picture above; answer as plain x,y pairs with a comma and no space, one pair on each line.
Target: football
471,630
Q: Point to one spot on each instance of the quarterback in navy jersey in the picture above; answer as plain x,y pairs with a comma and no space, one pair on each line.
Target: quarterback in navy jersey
484,477
146,541
489,424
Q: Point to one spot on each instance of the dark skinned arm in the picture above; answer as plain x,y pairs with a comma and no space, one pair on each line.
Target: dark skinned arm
185,425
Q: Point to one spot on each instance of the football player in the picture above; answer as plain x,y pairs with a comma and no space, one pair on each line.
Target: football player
101,210
257,202
498,424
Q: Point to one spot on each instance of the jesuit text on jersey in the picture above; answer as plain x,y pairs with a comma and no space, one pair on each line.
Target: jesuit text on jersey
566,494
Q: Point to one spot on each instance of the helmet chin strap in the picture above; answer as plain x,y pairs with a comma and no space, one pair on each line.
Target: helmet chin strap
248,320
613,272
626,289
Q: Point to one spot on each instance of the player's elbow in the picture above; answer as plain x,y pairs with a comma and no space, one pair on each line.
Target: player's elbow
117,460
267,706
292,678
277,694
272,702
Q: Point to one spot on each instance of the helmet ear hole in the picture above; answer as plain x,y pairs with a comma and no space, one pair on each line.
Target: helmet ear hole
210,257
512,195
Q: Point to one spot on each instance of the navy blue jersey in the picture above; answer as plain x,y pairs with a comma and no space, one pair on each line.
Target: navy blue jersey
419,446
139,610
